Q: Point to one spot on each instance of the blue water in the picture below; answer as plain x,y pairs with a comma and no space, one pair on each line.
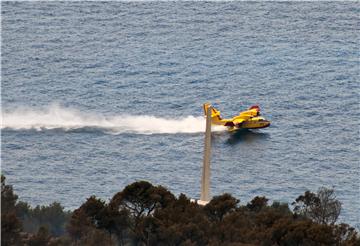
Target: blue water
98,95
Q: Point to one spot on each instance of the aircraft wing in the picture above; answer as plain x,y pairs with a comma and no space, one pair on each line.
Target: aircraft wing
238,121
234,122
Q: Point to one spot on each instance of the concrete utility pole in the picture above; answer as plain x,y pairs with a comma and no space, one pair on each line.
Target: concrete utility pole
205,181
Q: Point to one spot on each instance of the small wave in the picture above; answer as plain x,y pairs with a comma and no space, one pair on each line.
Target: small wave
68,119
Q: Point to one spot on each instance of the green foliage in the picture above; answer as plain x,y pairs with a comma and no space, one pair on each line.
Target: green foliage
281,207
219,206
19,216
182,221
11,226
10,229
141,198
143,214
257,204
94,218
41,238
322,207
79,224
95,237
345,235
302,232
52,217
92,208
8,197
22,210
115,222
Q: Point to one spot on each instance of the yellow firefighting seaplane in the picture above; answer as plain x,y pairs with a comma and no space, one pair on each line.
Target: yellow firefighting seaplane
249,119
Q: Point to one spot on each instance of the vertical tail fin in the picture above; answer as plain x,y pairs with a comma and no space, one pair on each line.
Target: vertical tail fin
215,114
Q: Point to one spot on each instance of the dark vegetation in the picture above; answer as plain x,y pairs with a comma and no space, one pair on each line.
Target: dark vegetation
143,214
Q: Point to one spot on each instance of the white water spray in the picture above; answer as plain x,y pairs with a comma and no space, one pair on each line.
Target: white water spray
57,117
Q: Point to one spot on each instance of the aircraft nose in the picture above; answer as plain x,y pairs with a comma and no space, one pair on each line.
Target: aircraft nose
267,123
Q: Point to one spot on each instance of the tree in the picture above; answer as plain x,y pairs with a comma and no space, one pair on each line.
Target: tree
8,197
92,208
219,206
11,226
114,221
10,229
95,216
182,221
53,217
95,237
301,232
41,238
22,210
143,214
345,235
281,207
322,207
141,198
79,224
257,203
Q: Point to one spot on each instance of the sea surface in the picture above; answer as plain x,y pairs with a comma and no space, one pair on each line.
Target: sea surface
97,95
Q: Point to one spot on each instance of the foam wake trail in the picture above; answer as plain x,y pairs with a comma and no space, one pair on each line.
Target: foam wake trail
67,119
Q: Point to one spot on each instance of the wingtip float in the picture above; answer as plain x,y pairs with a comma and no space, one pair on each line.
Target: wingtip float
249,119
